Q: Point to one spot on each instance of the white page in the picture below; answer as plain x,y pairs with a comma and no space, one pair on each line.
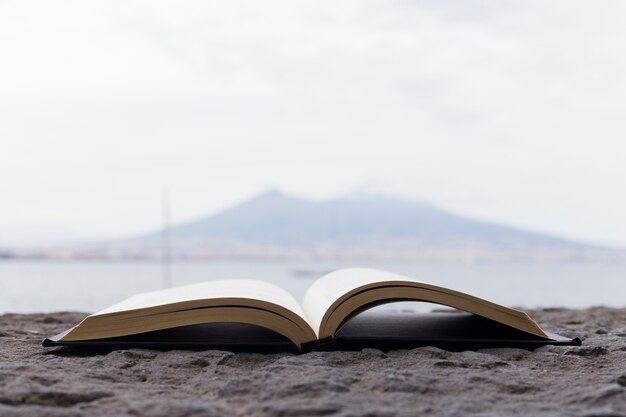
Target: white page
326,290
232,288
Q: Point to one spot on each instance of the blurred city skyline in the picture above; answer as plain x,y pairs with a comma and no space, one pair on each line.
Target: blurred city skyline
509,112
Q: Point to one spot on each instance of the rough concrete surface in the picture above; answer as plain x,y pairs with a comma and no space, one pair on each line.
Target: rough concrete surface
551,381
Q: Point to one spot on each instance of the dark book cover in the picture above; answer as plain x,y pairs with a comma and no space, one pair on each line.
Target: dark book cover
450,330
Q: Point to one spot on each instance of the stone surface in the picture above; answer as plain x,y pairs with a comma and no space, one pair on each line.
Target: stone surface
551,381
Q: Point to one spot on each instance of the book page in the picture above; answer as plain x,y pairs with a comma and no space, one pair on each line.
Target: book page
336,296
326,290
232,288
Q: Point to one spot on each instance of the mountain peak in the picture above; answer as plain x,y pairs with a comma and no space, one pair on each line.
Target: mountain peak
382,190
276,218
271,192
272,196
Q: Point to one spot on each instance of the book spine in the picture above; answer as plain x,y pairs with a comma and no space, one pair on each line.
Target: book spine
320,344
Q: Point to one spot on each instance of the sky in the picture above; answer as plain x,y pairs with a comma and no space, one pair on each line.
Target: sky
506,111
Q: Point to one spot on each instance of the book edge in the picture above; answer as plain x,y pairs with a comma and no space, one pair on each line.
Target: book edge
328,343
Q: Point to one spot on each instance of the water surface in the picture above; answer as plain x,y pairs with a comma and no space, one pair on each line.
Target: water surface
47,286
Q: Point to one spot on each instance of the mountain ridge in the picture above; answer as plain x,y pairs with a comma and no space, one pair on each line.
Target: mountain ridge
360,227
273,217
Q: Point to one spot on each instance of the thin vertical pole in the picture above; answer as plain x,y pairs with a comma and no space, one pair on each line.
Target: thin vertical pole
166,249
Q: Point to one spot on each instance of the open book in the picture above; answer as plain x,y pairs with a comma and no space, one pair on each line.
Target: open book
323,318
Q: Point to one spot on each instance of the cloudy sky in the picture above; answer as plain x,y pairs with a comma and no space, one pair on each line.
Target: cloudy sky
507,111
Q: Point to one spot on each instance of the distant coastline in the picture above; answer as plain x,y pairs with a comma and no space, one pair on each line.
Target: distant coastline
390,252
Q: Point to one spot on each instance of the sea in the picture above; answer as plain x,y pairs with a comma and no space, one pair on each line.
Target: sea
28,286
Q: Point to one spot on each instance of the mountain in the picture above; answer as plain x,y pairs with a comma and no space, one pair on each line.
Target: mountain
360,226
357,227
280,219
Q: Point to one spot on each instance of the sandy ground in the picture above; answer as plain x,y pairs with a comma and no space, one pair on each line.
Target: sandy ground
568,381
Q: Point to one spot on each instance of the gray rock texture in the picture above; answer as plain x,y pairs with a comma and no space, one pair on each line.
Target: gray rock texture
551,381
